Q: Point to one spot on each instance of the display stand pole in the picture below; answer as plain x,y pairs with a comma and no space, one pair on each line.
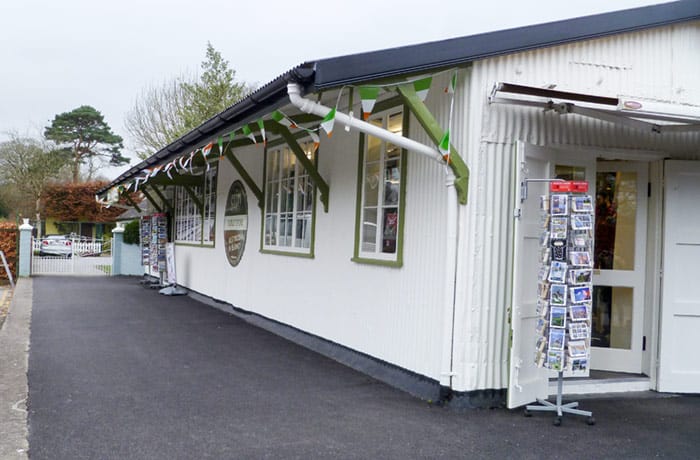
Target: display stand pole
559,408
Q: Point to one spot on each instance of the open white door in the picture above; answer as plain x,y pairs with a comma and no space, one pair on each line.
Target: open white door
679,360
526,382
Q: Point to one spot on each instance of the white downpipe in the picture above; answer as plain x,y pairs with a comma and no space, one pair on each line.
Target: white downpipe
309,106
450,287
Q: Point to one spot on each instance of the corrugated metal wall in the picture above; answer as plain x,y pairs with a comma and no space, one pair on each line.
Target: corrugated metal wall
661,64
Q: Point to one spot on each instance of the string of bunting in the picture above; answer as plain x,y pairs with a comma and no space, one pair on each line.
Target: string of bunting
369,95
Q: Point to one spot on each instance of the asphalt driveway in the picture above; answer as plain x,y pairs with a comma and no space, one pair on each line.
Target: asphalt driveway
117,371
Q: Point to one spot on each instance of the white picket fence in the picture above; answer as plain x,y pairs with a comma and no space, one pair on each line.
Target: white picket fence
88,257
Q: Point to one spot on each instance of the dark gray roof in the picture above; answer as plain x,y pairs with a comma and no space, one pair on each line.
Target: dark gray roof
364,67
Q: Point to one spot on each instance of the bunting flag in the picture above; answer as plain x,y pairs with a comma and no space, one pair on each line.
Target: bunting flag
328,121
452,85
422,87
167,169
220,142
282,119
249,134
261,125
231,136
182,165
368,95
156,170
206,150
444,146
190,161
315,139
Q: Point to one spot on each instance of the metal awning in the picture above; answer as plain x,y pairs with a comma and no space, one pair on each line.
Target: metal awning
640,114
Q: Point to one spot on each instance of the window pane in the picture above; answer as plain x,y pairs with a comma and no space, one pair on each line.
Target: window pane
392,182
372,184
615,217
612,317
374,146
390,230
567,172
369,230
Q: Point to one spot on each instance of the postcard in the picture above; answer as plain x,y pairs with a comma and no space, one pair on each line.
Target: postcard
577,349
557,294
555,360
544,239
580,276
541,343
557,272
558,247
541,327
544,255
543,273
580,294
582,203
579,364
581,222
578,330
544,203
579,312
580,258
557,317
556,338
558,227
543,289
542,307
559,205
580,241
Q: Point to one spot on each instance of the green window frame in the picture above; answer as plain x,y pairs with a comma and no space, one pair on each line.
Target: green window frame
192,225
290,202
381,193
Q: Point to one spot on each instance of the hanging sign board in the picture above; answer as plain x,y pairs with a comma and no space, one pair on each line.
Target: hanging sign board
235,223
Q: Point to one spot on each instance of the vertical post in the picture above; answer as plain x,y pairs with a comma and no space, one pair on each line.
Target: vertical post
25,249
117,244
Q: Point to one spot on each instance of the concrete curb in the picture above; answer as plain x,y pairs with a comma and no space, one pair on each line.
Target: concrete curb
14,359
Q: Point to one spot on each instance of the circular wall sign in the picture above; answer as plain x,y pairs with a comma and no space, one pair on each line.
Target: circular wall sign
235,223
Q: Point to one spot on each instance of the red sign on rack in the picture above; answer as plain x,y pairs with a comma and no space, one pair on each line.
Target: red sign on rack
575,186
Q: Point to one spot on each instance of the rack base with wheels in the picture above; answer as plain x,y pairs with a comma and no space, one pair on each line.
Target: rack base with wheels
558,407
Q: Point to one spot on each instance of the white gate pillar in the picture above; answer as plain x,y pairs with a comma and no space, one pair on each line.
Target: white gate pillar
25,249
117,245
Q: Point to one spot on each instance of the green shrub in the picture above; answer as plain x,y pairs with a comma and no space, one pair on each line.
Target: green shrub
131,232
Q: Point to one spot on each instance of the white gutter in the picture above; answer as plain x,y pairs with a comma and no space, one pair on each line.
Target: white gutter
450,287
309,106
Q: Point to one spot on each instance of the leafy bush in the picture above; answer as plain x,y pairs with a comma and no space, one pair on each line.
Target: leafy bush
131,232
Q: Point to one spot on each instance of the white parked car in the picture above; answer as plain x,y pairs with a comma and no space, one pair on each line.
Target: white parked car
56,245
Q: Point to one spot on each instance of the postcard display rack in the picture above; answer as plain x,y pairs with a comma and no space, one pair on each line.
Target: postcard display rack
565,289
154,235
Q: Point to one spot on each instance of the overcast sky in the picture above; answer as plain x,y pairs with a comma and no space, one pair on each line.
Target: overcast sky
57,55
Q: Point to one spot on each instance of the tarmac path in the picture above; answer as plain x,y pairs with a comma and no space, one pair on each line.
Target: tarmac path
117,371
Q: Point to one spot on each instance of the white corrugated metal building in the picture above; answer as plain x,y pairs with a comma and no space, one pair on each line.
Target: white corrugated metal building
427,281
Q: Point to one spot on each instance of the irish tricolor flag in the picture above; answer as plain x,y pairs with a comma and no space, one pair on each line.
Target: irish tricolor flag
444,146
282,119
368,95
249,134
328,121
422,87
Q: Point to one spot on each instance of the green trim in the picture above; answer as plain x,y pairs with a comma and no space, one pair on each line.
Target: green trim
196,199
378,262
163,200
195,245
398,263
301,255
319,182
238,166
151,200
435,132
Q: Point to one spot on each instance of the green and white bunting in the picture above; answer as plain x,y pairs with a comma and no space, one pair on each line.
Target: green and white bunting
248,133
282,119
368,95
422,87
261,125
444,146
220,142
328,121
315,139
452,85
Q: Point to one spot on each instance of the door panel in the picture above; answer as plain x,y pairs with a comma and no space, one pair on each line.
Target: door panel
679,361
527,382
619,266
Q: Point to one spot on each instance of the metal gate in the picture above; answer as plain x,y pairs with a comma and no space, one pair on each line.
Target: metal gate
57,255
